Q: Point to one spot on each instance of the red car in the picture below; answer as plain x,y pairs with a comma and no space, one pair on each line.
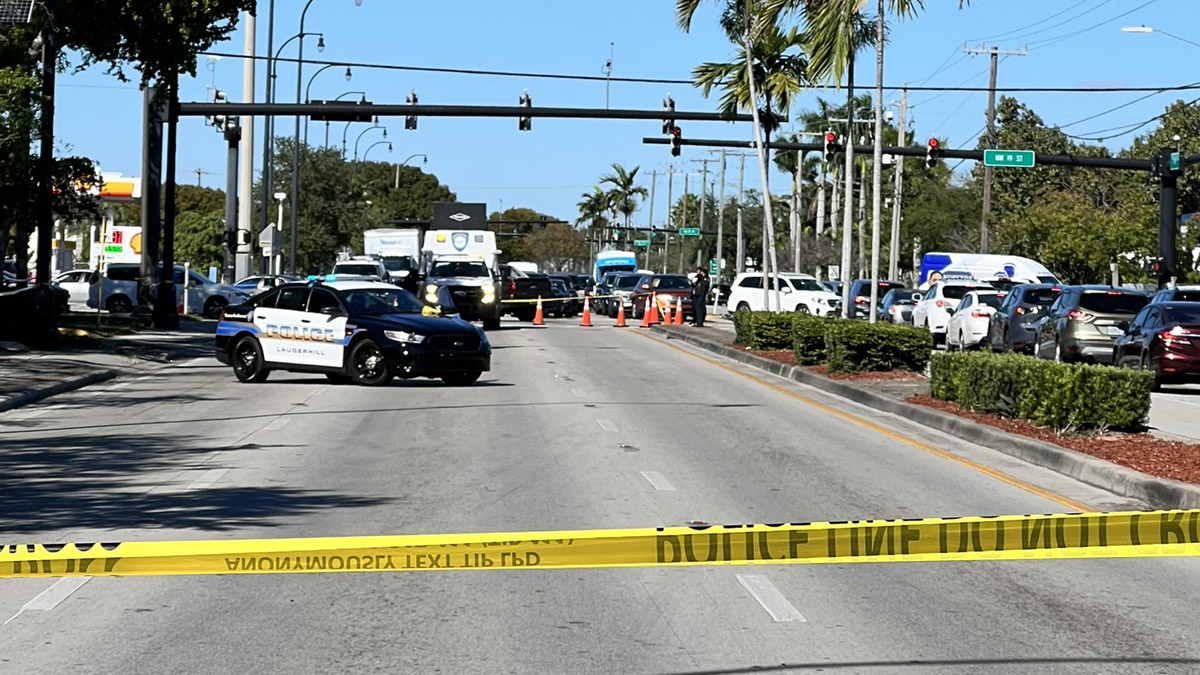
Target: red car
666,287
1163,338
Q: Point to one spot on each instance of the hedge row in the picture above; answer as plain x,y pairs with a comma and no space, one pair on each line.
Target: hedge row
1061,396
846,346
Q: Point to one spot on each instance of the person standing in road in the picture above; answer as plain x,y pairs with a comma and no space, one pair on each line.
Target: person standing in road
700,296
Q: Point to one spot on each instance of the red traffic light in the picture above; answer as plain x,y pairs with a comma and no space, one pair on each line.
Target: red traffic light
933,142
830,137
676,131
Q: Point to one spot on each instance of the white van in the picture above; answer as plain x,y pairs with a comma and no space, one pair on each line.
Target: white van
983,267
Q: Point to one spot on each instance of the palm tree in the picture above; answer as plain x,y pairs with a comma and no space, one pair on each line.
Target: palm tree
624,192
593,210
767,56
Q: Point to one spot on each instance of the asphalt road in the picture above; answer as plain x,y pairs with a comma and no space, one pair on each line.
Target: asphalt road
574,428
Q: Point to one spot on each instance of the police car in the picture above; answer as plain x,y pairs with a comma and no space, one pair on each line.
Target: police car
359,331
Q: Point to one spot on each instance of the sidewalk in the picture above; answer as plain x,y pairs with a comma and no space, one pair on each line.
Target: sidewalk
28,376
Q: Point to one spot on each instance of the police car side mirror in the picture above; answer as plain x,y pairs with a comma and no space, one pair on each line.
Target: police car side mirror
332,311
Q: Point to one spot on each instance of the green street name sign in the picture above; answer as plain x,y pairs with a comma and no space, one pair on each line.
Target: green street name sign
690,232
713,267
641,242
1015,158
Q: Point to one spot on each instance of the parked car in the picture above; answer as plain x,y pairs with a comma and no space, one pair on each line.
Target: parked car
623,287
1014,325
517,285
121,291
860,296
576,283
605,286
1085,321
1163,338
1178,294
833,287
264,282
798,293
361,268
665,288
968,324
568,303
77,284
897,305
933,311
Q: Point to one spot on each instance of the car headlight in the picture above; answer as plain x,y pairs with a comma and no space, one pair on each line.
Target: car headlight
404,337
431,289
489,295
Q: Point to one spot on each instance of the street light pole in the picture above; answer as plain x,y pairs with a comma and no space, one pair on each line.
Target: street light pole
1148,29
308,98
296,141
373,146
405,162
364,133
360,93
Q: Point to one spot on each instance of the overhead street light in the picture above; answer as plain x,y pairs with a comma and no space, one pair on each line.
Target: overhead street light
372,147
1148,29
364,133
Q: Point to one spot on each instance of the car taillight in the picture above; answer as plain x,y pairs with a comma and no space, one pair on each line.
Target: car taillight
861,300
941,303
512,287
1077,315
979,314
1021,310
892,311
1175,336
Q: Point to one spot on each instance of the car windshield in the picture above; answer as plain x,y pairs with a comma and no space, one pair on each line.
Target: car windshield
1186,295
803,284
672,283
559,285
992,300
403,264
1112,302
1042,297
864,290
1185,316
374,301
459,268
628,281
358,269
957,292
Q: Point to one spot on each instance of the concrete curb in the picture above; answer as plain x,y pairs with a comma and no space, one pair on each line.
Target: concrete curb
53,390
1158,492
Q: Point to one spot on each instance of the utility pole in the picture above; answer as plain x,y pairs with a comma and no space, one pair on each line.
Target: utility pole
897,196
991,134
245,188
848,214
683,223
721,220
797,221
703,205
670,213
741,237
608,73
877,174
650,220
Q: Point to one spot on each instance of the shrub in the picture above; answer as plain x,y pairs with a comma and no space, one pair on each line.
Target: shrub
809,333
1056,395
763,330
857,346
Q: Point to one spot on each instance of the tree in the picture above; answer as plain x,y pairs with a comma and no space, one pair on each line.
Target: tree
624,193
513,238
558,248
199,239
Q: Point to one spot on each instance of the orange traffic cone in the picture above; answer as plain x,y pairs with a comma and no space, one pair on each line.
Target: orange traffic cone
678,312
667,313
586,320
538,319
620,313
654,311
646,315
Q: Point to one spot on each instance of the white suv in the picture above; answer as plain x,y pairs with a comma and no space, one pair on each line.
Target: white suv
798,293
933,310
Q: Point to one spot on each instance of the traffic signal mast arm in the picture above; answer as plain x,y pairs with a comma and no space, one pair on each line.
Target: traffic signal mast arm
402,110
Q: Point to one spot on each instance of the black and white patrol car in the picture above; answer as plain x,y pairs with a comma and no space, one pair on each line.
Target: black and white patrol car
352,331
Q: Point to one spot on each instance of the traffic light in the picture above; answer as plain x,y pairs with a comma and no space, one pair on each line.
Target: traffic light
831,146
525,123
676,141
933,153
410,121
669,110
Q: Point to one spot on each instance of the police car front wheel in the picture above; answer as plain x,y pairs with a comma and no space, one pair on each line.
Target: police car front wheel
247,360
367,365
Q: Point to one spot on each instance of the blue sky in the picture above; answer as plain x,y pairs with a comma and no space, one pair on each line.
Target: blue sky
547,169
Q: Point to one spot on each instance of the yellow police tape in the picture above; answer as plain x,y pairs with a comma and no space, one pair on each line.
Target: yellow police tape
1032,537
549,300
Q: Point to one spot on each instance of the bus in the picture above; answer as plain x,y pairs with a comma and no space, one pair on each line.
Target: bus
614,261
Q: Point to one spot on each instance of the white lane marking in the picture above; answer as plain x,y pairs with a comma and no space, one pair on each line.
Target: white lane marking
316,391
277,424
770,598
206,479
658,480
51,597
607,425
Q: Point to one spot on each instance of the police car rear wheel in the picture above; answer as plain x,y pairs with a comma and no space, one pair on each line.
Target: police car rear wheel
461,379
248,363
367,366
213,307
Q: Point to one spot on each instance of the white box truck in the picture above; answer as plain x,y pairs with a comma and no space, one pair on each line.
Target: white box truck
399,250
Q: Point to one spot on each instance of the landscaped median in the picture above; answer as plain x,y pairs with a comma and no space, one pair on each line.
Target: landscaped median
1083,421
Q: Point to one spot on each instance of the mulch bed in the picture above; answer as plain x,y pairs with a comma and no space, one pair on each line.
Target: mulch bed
1140,451
865,377
784,356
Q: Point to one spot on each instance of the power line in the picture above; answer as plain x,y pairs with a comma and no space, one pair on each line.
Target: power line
1055,40
1035,23
1110,110
1063,22
943,66
1102,134
649,80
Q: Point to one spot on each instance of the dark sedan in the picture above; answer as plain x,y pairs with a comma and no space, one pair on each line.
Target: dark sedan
1014,326
896,306
1163,338
860,296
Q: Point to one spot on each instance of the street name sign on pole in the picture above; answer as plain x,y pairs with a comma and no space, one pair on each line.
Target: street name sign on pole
713,267
690,232
1023,159
641,242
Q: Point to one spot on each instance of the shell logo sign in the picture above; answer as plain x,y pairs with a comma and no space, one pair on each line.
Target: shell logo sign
135,243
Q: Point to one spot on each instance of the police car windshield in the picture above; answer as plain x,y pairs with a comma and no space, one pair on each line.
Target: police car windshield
381,301
459,268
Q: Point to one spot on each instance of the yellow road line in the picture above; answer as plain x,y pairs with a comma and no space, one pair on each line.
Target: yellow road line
985,470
